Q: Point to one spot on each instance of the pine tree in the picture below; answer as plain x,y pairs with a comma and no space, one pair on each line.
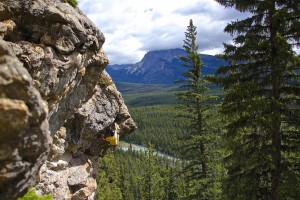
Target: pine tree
108,180
169,180
171,192
152,181
262,100
198,148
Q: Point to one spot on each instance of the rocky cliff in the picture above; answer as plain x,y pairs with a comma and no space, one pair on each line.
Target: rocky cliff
56,100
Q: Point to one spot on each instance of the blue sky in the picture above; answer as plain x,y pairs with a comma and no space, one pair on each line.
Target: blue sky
134,27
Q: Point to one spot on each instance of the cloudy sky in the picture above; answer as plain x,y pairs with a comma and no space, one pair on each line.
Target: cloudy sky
134,27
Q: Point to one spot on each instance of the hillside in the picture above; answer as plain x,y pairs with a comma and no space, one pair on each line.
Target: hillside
153,108
136,94
159,67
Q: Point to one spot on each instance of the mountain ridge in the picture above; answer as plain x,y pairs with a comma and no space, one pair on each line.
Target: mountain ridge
160,67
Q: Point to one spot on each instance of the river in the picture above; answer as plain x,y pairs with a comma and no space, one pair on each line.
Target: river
125,147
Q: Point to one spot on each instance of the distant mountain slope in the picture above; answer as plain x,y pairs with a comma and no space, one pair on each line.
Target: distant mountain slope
159,67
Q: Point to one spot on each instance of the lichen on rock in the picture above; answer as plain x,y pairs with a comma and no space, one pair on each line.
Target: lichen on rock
51,64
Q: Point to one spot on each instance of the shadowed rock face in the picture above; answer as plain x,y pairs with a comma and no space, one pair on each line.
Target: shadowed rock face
63,64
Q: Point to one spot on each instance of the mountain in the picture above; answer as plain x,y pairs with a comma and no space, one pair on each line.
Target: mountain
159,67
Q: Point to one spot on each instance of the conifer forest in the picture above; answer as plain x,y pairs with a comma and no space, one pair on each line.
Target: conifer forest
231,135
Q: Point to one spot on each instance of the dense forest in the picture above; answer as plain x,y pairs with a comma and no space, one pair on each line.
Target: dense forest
234,135
153,108
140,175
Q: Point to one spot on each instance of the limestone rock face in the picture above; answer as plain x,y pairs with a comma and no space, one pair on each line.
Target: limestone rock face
63,64
24,136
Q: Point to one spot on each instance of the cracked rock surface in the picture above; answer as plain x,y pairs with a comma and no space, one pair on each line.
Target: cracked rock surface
56,100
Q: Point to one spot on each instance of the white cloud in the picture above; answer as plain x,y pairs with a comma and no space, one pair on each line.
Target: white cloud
133,27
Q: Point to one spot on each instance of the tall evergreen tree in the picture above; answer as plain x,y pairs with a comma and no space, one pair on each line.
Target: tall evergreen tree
152,181
108,179
262,100
171,193
198,148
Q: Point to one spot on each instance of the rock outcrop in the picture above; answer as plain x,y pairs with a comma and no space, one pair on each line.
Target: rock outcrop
56,100
24,137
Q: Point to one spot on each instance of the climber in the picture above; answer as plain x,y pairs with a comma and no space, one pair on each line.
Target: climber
113,137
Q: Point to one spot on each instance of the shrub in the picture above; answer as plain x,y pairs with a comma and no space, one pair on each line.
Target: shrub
31,195
73,3
104,81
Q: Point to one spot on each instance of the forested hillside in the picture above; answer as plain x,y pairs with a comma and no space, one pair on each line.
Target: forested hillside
157,125
154,108
136,95
234,134
143,174
132,175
